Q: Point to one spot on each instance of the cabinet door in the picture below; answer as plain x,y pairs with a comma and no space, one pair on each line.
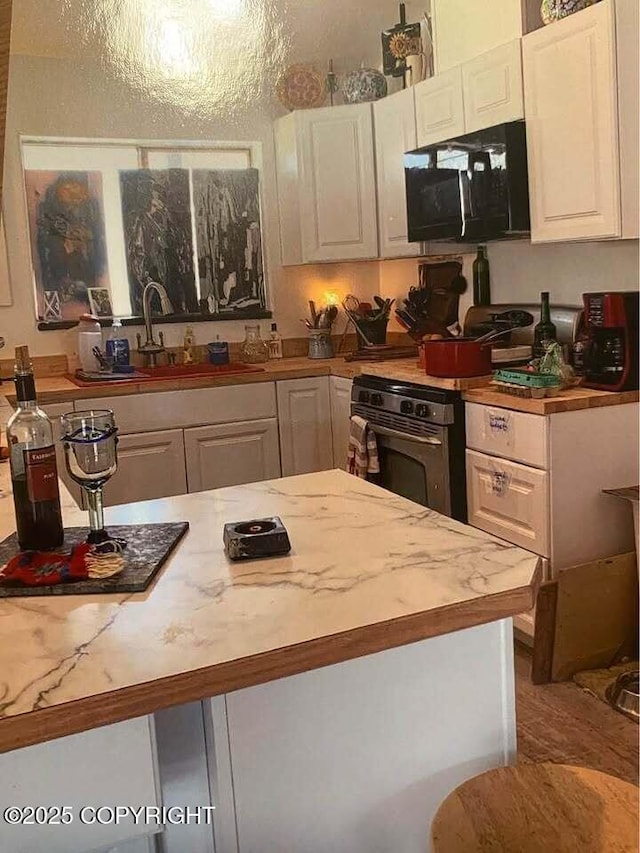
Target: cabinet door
492,87
231,454
304,418
394,120
572,147
509,500
150,465
338,193
439,107
340,390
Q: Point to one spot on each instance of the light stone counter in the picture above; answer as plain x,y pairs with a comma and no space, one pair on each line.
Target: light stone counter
368,571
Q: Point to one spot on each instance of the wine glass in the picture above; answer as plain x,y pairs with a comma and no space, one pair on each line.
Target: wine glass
90,440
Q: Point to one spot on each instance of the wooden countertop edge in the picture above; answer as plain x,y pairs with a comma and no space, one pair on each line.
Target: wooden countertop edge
130,387
102,709
550,405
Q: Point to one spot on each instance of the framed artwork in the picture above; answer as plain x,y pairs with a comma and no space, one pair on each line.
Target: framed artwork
229,240
100,302
52,308
156,216
66,229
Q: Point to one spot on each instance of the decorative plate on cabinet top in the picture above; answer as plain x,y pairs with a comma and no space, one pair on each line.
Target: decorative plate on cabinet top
301,87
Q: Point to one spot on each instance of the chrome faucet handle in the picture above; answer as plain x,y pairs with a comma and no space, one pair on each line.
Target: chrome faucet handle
161,336
139,339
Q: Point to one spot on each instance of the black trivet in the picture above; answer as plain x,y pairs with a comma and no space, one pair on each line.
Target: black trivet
148,548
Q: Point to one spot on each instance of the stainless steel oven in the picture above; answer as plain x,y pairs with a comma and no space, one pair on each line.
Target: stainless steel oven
420,437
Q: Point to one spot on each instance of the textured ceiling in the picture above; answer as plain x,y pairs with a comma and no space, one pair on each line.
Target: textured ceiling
215,56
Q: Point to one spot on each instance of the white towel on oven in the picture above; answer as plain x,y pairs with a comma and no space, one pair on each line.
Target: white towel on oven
362,458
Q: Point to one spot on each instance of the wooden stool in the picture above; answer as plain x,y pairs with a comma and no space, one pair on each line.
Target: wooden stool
538,808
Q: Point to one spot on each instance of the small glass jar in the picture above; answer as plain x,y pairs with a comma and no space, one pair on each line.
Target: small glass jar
253,350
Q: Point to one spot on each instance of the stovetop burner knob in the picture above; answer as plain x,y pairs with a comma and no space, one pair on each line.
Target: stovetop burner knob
422,411
377,399
406,407
363,397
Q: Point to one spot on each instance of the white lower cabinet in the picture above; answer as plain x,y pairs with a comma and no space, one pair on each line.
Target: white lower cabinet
150,465
110,766
509,500
231,454
340,392
553,504
304,419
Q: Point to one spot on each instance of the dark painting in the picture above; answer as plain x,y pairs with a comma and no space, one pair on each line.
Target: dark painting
66,223
229,239
157,231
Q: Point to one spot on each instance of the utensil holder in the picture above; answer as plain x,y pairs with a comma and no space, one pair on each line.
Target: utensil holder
375,330
320,343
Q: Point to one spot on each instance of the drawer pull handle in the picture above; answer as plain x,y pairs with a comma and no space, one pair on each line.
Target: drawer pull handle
500,482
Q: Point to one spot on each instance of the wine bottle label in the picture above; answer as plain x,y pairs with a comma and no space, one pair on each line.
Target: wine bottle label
42,474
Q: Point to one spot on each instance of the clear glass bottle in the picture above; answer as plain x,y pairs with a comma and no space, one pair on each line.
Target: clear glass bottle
34,474
275,342
253,350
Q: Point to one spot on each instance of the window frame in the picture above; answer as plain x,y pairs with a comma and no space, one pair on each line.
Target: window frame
145,147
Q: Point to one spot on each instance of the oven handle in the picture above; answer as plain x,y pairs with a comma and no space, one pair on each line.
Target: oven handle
394,433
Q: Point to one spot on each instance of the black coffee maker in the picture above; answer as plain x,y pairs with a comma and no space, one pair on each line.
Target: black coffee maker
611,356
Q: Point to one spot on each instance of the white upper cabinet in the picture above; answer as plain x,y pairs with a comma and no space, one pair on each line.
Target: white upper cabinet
394,120
439,107
326,184
463,30
483,92
492,87
579,110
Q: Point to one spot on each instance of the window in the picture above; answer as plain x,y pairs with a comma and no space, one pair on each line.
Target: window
107,216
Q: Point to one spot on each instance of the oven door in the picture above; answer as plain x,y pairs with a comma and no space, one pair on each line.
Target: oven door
415,466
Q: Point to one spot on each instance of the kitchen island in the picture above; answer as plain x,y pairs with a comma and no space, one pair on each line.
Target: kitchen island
326,700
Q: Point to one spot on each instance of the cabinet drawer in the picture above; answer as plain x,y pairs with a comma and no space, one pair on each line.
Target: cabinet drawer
509,500
170,409
512,435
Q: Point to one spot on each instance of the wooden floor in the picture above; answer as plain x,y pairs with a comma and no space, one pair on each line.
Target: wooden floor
564,724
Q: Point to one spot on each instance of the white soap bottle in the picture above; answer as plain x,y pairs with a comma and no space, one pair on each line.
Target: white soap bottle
89,337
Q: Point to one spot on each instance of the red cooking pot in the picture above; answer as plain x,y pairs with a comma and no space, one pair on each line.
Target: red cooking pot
457,357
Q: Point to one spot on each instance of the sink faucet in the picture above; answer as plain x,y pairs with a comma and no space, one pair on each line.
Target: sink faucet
151,348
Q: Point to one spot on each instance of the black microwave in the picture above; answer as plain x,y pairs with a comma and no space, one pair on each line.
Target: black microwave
471,188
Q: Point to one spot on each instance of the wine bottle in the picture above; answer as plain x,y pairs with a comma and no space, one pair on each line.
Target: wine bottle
544,332
34,473
481,279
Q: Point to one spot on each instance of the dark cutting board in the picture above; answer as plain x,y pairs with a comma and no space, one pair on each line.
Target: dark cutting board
148,548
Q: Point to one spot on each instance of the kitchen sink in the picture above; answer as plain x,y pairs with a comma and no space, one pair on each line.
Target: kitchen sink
170,371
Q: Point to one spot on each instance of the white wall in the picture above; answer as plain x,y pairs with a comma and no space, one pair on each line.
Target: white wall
519,270
88,81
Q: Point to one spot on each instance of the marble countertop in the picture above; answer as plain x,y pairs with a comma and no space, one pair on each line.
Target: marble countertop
368,571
